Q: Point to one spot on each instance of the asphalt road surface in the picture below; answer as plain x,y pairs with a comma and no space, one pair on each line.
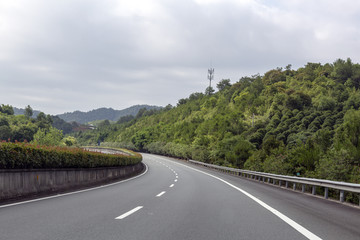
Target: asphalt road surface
177,200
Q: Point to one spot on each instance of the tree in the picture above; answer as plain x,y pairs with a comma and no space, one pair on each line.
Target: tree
69,141
342,70
141,113
141,139
104,123
223,84
7,109
125,119
23,133
5,130
182,101
195,96
43,121
28,111
273,76
209,91
51,137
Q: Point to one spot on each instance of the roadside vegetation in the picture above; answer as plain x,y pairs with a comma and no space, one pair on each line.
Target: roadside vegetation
27,142
25,156
297,122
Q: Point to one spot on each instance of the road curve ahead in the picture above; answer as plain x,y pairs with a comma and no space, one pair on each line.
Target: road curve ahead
177,200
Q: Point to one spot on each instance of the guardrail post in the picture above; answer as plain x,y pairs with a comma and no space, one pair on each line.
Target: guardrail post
303,188
286,184
313,190
280,183
268,180
274,181
294,186
326,193
342,196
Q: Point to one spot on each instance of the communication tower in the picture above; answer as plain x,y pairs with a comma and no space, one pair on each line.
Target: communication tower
210,75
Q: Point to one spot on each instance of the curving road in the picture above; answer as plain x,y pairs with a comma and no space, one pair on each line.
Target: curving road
177,200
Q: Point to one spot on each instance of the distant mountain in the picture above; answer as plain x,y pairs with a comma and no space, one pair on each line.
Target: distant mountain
103,113
21,111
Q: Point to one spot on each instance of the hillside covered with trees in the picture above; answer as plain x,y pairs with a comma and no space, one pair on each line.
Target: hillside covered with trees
304,121
25,128
103,114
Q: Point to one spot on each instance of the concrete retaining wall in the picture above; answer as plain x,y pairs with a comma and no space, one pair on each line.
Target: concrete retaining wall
20,183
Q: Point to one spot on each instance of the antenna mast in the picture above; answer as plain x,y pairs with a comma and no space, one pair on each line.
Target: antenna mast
210,75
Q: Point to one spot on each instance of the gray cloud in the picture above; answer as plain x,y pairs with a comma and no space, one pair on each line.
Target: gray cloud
62,56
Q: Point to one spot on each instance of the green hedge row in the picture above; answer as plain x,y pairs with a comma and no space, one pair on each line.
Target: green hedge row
25,155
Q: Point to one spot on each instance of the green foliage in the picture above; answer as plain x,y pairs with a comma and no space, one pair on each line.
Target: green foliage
288,121
223,84
336,165
69,141
141,139
48,137
125,119
28,111
273,76
105,123
22,155
22,128
209,90
5,131
237,151
6,109
60,124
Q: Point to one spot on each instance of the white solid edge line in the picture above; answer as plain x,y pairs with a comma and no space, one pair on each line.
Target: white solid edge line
129,212
160,194
76,192
286,219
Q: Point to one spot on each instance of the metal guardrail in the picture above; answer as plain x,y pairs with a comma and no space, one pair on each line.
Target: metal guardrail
284,180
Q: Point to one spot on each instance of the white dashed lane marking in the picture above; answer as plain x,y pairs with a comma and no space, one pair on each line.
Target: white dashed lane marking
160,194
129,212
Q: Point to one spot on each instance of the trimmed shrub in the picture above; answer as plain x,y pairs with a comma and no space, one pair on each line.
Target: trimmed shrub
25,155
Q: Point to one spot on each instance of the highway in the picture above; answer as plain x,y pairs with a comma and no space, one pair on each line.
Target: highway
177,200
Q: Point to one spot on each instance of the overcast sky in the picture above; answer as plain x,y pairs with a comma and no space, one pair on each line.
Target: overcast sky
65,55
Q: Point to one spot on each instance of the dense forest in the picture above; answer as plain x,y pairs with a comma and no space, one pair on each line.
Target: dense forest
304,121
